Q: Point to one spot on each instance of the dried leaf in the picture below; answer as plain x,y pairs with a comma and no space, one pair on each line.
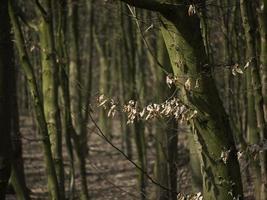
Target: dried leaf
169,80
239,70
150,27
188,84
197,84
103,103
112,111
225,156
32,48
234,72
192,115
236,69
247,65
192,10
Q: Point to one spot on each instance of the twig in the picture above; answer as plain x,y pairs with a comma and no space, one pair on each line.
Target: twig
132,162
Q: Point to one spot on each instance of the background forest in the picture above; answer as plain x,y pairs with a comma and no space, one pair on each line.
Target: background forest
133,99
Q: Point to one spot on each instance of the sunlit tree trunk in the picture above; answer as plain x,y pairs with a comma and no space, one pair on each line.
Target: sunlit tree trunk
182,35
50,89
214,133
28,70
195,164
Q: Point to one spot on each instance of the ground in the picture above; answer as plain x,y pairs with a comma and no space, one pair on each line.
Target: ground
110,176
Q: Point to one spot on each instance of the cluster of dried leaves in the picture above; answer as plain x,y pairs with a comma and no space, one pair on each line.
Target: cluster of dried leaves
189,84
170,108
171,80
197,196
237,69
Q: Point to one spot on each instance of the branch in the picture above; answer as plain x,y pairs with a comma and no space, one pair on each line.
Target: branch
23,17
153,5
41,9
101,134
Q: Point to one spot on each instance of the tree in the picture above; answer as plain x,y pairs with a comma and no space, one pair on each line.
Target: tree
6,62
182,35
50,87
35,94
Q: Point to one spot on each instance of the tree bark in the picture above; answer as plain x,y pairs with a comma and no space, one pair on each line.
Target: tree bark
50,91
187,53
6,62
251,55
28,70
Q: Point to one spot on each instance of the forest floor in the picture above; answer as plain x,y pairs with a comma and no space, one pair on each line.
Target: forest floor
110,175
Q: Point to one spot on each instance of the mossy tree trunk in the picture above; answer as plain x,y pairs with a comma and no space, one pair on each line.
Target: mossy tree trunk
88,73
125,75
262,10
35,94
60,8
50,89
166,132
182,35
104,84
75,88
195,163
220,180
262,19
136,90
249,25
161,172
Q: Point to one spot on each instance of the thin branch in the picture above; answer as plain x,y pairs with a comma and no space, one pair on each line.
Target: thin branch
132,162
145,41
152,5
41,9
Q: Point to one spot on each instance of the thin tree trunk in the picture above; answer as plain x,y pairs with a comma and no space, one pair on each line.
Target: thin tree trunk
249,27
17,178
166,133
60,9
75,91
50,91
28,70
262,19
124,75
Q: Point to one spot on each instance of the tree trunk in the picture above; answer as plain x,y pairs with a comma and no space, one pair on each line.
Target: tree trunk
75,88
50,91
221,180
251,56
28,70
262,19
6,62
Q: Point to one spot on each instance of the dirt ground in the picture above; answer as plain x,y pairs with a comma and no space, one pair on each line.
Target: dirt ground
110,175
